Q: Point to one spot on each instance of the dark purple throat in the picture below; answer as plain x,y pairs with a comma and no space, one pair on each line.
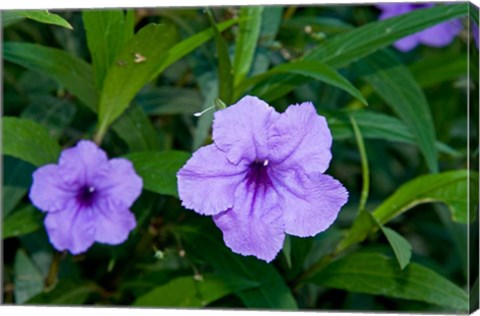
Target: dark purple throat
86,195
258,174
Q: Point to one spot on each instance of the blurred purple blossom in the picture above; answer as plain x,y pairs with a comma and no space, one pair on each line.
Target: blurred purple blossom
87,198
437,36
263,176
475,33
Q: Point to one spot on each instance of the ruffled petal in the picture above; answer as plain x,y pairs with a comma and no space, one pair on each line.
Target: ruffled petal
72,229
120,183
113,222
241,129
48,191
300,137
441,34
208,181
82,163
310,203
253,227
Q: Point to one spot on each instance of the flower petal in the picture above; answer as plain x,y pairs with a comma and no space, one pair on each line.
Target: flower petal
300,137
80,164
310,204
120,183
208,181
48,191
441,34
407,43
254,225
240,130
72,229
113,222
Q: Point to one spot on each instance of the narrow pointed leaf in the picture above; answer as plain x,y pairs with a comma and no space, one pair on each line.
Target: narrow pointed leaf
69,71
42,16
247,38
401,247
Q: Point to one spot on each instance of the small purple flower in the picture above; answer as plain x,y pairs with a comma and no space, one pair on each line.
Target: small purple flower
475,33
437,36
263,176
87,198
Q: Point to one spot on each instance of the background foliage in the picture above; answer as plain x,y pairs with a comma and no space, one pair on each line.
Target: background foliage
133,80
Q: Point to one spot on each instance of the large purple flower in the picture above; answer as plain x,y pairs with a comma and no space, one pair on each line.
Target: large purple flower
263,176
437,36
87,198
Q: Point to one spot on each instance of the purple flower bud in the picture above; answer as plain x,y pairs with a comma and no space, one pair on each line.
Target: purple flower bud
87,198
263,176
437,36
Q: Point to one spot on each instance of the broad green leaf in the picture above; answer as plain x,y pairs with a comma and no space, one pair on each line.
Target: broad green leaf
246,43
449,187
28,279
66,292
363,224
42,16
224,68
378,126
106,32
17,178
345,48
22,222
28,141
135,65
401,247
158,169
312,69
396,85
69,71
362,41
52,113
205,242
376,274
10,17
136,130
185,291
439,68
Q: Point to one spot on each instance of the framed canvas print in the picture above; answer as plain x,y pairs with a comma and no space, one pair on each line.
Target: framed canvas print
318,157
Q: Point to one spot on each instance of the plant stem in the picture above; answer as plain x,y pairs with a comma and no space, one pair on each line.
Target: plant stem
364,160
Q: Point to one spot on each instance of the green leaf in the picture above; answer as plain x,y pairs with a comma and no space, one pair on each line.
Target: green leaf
376,274
225,70
401,247
106,35
449,187
135,128
22,222
17,178
158,169
439,68
10,17
135,65
169,101
28,279
194,293
311,69
362,41
396,85
287,251
69,71
246,43
206,243
42,16
28,141
377,126
66,292
52,113
342,49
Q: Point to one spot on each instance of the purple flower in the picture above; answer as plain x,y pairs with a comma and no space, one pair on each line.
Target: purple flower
87,198
263,176
437,36
475,33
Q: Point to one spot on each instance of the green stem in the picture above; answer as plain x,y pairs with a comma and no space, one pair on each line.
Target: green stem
364,160
52,275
